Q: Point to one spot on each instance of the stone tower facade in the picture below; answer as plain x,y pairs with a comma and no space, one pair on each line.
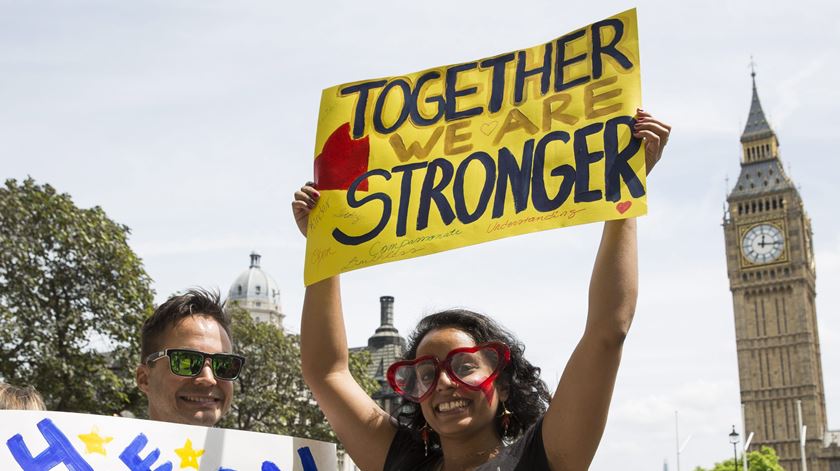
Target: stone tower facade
772,276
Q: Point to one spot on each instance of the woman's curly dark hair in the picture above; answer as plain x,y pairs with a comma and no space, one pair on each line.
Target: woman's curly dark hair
528,395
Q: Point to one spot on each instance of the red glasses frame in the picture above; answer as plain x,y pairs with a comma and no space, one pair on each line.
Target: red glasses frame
501,349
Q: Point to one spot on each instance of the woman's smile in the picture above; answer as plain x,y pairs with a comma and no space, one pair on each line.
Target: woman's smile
454,406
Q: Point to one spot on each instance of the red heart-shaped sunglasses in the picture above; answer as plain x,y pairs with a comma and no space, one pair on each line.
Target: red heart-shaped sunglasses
472,367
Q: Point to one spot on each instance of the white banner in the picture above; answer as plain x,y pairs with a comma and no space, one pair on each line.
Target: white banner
42,441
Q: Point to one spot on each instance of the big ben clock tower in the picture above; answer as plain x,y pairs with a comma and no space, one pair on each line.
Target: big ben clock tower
770,261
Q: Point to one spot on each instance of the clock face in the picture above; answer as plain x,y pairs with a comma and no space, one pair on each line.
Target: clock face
763,243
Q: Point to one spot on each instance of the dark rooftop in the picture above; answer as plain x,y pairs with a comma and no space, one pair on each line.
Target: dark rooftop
762,177
757,125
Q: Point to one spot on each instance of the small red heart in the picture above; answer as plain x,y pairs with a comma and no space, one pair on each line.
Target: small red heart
341,161
623,206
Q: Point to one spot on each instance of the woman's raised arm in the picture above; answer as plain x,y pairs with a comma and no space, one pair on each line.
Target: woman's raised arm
361,425
577,415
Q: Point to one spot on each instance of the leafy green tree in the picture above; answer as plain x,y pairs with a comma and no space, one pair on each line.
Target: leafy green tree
271,395
73,296
762,460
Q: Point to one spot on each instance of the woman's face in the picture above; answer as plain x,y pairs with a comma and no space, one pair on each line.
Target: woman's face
451,409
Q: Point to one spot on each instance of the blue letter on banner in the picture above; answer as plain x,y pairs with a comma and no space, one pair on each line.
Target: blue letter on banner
306,459
131,456
60,450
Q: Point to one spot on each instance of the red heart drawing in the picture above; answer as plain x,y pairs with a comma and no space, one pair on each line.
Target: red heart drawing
341,161
623,206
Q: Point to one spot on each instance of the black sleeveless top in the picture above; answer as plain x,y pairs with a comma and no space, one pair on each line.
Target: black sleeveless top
527,453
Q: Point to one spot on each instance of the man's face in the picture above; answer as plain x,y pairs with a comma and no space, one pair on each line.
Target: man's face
201,400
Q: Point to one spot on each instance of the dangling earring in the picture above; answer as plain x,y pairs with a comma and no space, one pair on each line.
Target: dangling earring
505,416
424,434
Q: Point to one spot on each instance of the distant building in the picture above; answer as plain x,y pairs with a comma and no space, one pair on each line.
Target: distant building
385,346
257,292
772,277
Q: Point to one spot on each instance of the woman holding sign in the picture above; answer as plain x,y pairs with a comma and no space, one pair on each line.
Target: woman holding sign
474,403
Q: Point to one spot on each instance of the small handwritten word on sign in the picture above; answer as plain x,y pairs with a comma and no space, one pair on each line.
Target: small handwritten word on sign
41,441
456,155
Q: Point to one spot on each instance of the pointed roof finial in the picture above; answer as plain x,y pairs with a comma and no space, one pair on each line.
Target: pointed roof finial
757,126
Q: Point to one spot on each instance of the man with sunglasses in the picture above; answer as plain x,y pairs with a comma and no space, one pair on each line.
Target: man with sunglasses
187,365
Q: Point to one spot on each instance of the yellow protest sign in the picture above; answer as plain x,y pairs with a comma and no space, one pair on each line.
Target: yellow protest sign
456,155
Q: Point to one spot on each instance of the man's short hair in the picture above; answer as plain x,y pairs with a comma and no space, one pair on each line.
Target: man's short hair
195,301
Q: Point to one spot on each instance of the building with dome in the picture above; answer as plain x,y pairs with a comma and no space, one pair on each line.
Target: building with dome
256,291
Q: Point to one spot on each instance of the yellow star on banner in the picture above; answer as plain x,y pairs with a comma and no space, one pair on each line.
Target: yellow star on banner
94,443
188,455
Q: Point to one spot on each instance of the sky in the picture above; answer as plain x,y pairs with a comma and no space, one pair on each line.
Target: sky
192,122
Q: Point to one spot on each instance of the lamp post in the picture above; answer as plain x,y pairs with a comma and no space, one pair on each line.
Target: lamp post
680,448
733,439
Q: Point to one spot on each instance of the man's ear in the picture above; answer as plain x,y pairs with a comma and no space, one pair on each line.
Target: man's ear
142,377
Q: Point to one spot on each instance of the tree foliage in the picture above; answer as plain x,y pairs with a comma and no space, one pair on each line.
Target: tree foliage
762,460
270,394
73,296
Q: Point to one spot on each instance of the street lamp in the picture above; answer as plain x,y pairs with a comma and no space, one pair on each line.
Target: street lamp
733,439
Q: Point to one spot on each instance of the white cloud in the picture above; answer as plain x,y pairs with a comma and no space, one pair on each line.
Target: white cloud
649,410
790,89
829,257
158,248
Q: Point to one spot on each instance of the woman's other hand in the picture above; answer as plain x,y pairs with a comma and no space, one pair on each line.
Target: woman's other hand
305,200
655,134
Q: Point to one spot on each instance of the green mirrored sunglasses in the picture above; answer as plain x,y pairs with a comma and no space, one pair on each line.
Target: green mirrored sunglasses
188,363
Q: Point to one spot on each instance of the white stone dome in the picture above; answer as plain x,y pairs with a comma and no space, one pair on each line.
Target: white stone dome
256,290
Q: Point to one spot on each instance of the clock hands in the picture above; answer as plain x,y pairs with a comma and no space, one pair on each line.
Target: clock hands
763,244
